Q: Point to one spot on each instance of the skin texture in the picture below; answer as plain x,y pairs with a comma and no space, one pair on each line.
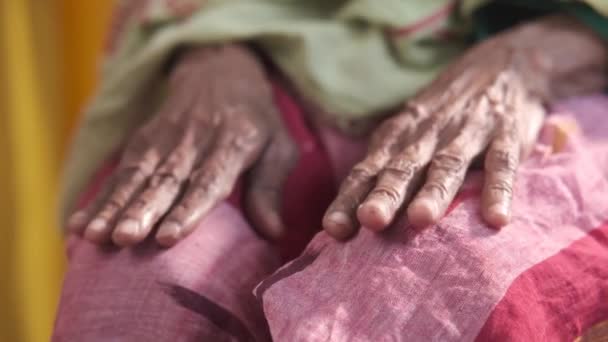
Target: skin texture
489,105
218,121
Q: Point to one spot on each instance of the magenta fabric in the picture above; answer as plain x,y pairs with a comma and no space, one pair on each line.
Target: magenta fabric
444,283
200,289
559,299
447,283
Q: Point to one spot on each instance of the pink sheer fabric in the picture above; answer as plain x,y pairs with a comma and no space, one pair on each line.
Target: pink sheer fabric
544,277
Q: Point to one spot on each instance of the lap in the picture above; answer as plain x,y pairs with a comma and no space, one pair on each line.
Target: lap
442,282
200,287
539,278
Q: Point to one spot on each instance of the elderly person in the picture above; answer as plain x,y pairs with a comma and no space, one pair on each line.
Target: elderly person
204,99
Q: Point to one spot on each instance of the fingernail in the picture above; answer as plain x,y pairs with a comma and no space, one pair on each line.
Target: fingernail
374,215
422,213
499,214
338,218
128,227
168,233
337,223
95,231
97,225
126,233
77,220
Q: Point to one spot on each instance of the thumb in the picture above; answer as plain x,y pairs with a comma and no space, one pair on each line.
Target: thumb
265,188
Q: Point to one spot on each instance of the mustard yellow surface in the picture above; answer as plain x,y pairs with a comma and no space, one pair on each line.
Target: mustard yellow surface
49,51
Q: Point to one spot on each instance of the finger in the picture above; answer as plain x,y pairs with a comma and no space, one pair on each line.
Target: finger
340,220
137,164
392,131
533,121
448,169
266,180
233,152
129,181
143,213
396,180
501,162
78,221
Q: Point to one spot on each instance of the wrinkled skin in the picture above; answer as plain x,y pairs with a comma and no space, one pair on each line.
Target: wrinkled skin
470,108
218,121
488,104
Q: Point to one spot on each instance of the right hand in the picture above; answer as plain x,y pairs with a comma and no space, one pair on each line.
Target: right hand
218,121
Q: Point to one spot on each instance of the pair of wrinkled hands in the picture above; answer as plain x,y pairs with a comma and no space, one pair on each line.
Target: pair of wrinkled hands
220,120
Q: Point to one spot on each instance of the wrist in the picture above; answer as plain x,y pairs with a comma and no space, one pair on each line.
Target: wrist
557,49
223,61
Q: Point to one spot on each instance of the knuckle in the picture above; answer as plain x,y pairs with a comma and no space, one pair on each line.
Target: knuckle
437,187
205,174
112,205
141,164
179,159
107,212
381,155
449,161
131,174
345,201
164,178
404,166
502,160
245,143
176,156
179,211
362,172
390,124
246,133
416,150
139,175
118,199
387,193
437,123
203,188
139,204
209,185
387,127
389,132
403,173
502,187
417,108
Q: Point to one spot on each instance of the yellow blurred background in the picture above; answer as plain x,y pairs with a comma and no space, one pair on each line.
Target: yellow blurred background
49,53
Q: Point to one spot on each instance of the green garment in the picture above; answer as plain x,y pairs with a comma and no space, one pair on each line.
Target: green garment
497,15
353,58
339,54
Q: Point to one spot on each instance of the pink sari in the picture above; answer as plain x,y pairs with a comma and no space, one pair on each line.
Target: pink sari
544,277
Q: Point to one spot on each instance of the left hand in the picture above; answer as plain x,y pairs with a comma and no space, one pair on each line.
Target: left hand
486,105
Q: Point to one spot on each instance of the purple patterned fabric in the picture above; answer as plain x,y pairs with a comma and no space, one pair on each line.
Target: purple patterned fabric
198,291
